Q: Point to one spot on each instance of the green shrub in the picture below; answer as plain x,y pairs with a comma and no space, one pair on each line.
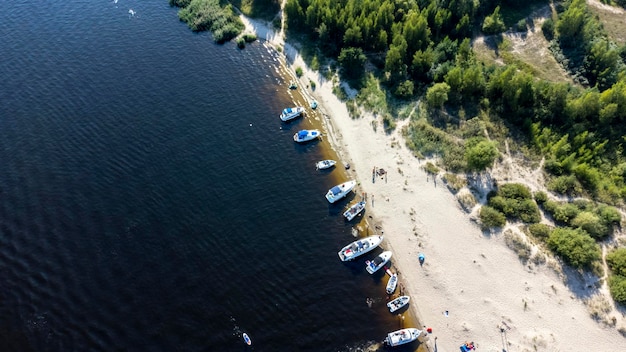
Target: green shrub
527,211
312,84
299,71
241,43
565,213
249,37
430,168
405,89
514,190
490,217
541,197
575,246
481,155
567,185
610,215
617,286
592,224
548,29
521,25
540,231
617,261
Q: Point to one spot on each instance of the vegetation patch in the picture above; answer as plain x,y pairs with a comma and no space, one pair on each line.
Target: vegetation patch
203,15
491,218
575,246
515,202
518,244
454,182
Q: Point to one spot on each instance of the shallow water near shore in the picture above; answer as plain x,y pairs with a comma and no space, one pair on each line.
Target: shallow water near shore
152,200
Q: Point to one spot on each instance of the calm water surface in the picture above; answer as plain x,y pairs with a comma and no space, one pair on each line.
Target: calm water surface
151,199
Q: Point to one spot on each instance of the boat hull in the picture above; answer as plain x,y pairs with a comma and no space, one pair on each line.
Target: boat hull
336,193
359,247
354,210
398,303
325,164
403,336
306,135
391,284
380,261
289,114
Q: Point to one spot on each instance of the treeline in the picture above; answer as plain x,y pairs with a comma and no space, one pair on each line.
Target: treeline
424,47
219,16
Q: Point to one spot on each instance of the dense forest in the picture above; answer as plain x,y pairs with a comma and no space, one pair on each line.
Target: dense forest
397,52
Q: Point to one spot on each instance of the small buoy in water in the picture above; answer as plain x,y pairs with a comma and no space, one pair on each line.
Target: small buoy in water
250,125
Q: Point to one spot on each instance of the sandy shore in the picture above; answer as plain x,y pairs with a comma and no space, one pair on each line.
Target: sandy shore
472,287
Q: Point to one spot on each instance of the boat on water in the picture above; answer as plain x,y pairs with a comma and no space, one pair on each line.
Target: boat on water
373,266
291,113
398,303
247,339
325,164
403,336
359,247
392,283
314,104
340,191
306,135
354,210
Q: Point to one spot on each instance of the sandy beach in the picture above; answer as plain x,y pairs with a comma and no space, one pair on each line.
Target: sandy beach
471,287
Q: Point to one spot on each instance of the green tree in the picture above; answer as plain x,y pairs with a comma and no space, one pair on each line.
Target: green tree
494,23
576,247
592,224
352,62
481,155
437,95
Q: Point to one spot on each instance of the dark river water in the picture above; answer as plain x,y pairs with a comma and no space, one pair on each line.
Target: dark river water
152,200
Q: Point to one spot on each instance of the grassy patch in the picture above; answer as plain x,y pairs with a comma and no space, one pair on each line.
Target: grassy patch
517,243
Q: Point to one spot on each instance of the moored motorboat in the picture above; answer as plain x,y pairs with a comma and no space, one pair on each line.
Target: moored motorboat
398,303
325,164
359,247
392,283
354,210
306,135
291,113
340,191
372,266
403,336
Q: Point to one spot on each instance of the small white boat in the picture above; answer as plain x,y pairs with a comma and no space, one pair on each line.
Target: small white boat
378,262
306,135
398,303
354,210
325,164
400,337
359,247
340,191
392,283
247,339
291,113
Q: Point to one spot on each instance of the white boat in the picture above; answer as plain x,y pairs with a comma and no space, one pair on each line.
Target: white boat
340,191
400,337
359,247
325,164
392,283
378,262
354,210
306,135
398,303
247,339
291,113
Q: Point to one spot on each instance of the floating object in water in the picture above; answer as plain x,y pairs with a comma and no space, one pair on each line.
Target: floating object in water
131,12
293,85
314,104
247,339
